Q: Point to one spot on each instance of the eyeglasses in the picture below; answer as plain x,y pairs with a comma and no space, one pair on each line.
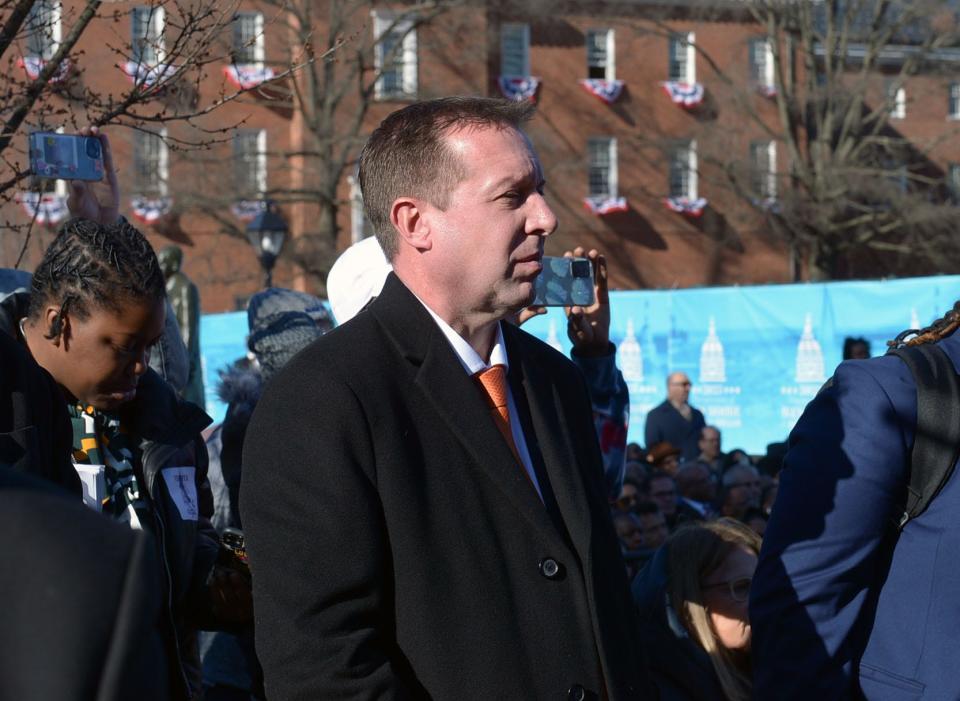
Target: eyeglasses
751,483
682,384
739,588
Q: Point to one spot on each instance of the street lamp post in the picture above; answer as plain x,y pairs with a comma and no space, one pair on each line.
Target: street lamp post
266,232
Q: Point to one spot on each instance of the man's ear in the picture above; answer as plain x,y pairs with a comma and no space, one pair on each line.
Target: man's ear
407,217
56,325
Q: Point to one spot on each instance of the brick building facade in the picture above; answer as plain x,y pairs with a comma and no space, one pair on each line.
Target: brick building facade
642,147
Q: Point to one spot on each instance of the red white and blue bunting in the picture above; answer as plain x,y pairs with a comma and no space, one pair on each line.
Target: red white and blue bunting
246,210
686,206
48,208
607,91
767,90
519,87
32,65
606,205
684,94
247,75
150,209
144,76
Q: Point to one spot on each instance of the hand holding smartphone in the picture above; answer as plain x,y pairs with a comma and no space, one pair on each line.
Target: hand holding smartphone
66,156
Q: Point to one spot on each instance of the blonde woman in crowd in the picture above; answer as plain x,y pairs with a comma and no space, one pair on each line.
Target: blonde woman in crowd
692,602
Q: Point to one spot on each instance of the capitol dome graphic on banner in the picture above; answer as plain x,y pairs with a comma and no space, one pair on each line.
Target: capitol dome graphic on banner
552,339
631,356
809,355
713,365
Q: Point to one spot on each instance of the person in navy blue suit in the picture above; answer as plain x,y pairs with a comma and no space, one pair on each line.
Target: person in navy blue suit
842,606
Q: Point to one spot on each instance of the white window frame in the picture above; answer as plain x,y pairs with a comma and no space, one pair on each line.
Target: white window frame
609,58
762,73
163,160
686,48
157,22
690,147
259,160
898,101
402,25
259,54
520,34
763,161
609,144
55,26
953,101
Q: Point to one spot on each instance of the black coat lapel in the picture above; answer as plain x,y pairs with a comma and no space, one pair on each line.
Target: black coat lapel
456,398
560,458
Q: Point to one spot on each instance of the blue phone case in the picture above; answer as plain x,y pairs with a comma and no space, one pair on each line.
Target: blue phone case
564,282
66,156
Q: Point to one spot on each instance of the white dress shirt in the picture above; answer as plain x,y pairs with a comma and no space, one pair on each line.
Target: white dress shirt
472,363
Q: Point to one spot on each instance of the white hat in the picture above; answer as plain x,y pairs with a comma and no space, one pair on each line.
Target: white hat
356,277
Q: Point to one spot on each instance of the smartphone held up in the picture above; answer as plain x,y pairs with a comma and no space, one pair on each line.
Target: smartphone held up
66,156
565,282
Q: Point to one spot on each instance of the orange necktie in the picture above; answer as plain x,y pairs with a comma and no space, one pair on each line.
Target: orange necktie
494,383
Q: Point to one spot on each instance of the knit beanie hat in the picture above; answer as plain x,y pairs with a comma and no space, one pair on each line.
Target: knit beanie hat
356,277
282,322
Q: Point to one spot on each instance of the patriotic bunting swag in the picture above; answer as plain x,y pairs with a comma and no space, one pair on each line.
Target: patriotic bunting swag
150,209
606,205
32,65
519,88
146,76
608,91
246,210
47,209
686,206
683,94
767,90
248,75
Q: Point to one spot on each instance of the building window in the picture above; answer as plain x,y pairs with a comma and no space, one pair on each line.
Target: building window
761,63
146,35
600,54
953,106
43,29
515,49
395,55
602,167
683,63
953,181
150,164
763,161
250,163
360,226
683,170
897,97
247,38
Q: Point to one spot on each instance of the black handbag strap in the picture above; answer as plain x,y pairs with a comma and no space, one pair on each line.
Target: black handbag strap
936,443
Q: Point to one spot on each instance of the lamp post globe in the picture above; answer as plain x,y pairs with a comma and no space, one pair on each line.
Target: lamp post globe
266,232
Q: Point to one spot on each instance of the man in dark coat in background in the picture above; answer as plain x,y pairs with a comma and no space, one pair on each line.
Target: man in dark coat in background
422,488
675,421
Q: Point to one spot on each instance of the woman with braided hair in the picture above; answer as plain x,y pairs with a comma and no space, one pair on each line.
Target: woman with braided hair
852,597
95,307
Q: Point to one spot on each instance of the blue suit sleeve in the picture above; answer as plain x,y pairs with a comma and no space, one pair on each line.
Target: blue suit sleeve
843,477
610,399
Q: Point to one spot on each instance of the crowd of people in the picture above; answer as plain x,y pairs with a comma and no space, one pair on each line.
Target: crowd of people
426,502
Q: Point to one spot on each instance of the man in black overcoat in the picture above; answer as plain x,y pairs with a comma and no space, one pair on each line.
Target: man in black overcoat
422,488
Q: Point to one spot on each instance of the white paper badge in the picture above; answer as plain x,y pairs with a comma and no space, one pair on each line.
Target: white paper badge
183,490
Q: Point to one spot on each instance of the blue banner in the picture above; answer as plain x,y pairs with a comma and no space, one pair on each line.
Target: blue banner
756,355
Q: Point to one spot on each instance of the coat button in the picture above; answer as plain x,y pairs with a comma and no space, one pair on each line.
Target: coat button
549,568
577,693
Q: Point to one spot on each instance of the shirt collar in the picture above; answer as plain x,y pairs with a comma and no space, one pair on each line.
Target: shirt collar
469,358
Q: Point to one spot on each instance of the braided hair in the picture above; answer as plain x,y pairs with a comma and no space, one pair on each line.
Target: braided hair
941,328
93,265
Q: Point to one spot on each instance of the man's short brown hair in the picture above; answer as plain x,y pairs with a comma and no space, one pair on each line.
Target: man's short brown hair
406,156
